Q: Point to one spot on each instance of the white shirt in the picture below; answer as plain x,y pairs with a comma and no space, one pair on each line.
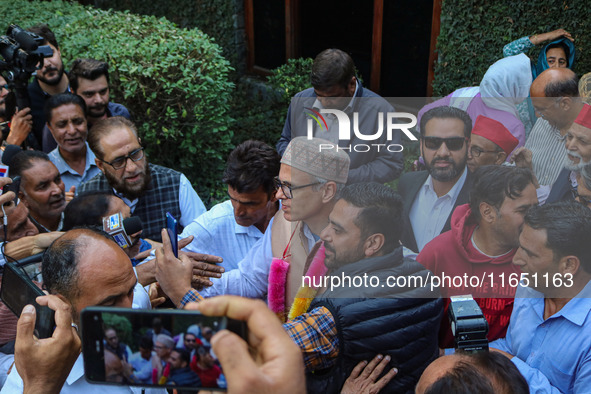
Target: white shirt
251,278
429,213
76,384
216,232
191,205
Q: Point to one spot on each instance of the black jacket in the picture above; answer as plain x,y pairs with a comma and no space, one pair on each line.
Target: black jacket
402,322
408,188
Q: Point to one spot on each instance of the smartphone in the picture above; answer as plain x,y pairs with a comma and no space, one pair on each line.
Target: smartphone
12,187
172,226
19,290
131,327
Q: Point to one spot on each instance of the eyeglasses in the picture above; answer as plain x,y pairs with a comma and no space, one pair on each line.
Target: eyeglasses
577,197
288,189
121,162
476,151
452,143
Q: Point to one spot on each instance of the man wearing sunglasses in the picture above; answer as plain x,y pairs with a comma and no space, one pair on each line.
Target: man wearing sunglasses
431,196
148,189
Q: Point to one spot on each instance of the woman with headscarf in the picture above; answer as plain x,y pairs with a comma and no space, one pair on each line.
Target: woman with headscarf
559,52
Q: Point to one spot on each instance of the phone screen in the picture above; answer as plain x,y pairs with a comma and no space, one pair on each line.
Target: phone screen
172,228
17,291
164,348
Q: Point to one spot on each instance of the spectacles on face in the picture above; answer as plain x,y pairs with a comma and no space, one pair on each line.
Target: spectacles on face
577,197
452,143
121,162
476,151
288,189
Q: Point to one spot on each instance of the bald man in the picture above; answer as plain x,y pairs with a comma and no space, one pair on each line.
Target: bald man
483,372
555,97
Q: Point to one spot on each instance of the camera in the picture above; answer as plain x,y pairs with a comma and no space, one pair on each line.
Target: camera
23,53
468,324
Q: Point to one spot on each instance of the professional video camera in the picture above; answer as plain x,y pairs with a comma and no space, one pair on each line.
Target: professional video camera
23,53
468,324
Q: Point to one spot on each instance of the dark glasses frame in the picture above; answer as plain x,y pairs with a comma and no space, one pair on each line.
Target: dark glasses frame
452,143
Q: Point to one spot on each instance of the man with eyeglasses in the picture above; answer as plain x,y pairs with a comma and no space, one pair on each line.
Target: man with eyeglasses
307,185
431,196
66,120
490,143
148,189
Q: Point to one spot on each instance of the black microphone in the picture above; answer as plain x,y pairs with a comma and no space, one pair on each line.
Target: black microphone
132,225
9,152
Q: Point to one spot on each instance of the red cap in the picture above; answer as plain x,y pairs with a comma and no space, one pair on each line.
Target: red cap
584,117
496,132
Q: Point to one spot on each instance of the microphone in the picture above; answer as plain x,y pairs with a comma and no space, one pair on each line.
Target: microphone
9,152
120,229
132,225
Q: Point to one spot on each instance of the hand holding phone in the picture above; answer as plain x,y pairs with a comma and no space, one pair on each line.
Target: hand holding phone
44,364
173,274
9,186
172,227
275,367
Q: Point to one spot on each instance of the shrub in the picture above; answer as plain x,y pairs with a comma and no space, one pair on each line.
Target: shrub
214,17
173,81
473,33
260,108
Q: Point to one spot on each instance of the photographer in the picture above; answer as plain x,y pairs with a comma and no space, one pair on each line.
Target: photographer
15,127
49,80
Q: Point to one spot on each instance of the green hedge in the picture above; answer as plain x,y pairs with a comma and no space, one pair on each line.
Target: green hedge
214,17
173,81
473,33
260,107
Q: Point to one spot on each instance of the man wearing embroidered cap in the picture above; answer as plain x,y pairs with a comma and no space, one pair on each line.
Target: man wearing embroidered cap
308,181
490,143
577,143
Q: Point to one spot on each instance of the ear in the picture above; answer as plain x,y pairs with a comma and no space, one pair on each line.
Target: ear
569,265
487,212
352,86
373,244
566,103
329,191
100,165
501,157
22,198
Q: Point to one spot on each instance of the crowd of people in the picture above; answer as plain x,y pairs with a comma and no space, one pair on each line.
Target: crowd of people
356,277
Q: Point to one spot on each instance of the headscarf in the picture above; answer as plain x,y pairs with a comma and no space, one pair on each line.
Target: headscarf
542,63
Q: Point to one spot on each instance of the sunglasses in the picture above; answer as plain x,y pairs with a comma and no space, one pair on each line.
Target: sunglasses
452,143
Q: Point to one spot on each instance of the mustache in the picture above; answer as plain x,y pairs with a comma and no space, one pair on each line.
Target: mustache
574,154
442,160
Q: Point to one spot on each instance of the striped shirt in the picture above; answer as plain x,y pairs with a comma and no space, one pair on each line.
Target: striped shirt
548,151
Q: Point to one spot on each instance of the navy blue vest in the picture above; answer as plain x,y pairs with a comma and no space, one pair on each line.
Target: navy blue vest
162,196
400,322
